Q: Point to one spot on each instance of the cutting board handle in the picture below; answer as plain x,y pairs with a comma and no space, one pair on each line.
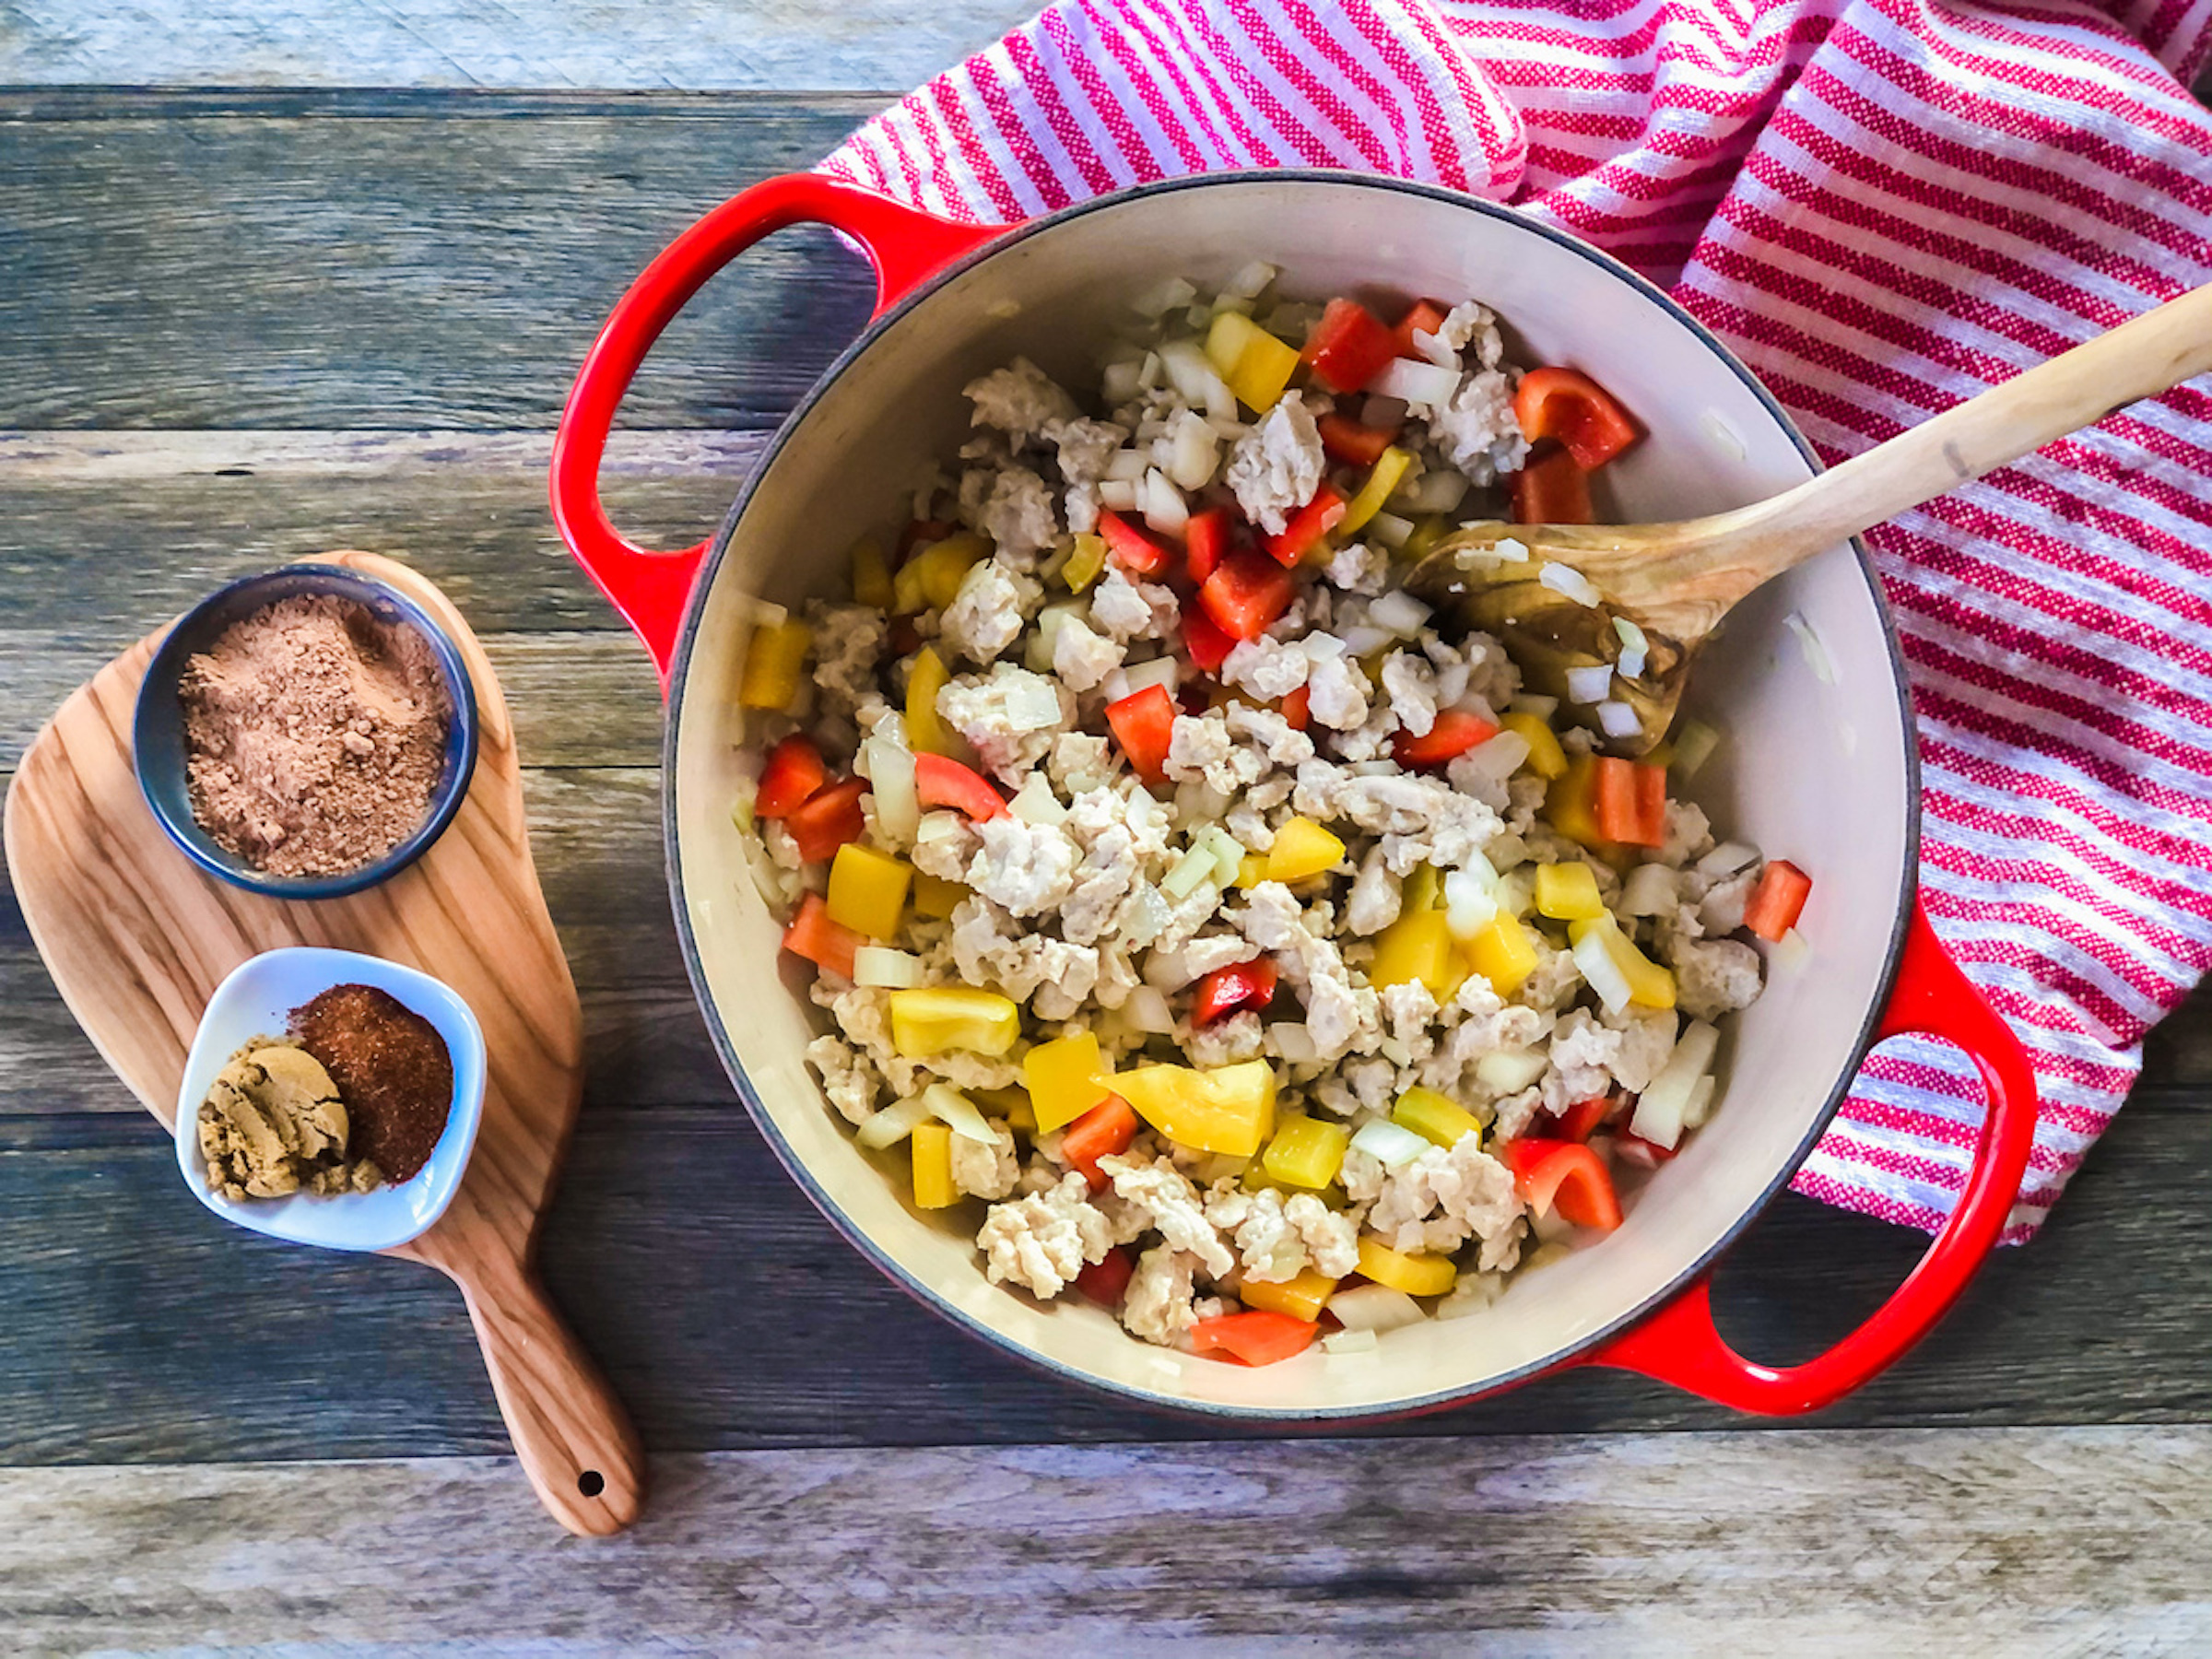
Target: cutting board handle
570,1432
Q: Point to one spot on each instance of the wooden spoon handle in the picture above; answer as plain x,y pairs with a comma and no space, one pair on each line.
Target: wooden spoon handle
574,1438
2140,358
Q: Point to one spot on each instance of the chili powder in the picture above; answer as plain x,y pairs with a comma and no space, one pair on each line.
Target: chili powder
393,1072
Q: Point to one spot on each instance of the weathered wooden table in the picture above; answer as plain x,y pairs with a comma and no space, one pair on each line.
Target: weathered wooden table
237,325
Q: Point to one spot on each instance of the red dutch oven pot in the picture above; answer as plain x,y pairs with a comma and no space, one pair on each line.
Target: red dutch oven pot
1819,765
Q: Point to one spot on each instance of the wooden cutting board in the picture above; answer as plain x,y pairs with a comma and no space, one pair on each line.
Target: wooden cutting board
137,938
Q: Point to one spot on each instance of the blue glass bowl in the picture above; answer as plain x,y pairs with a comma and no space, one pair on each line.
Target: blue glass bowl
157,725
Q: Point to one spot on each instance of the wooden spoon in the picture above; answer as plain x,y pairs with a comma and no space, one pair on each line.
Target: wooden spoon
1673,582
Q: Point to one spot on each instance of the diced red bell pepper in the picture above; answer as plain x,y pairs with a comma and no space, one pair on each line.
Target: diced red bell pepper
1777,900
793,775
942,782
1204,642
1348,346
1205,540
1246,592
1348,440
1629,802
1571,407
1565,1176
1257,1337
1105,1129
828,819
1580,1120
1426,317
1298,707
824,942
1630,1147
1552,489
1133,547
1143,723
1309,529
1238,985
1106,1282
920,533
1456,732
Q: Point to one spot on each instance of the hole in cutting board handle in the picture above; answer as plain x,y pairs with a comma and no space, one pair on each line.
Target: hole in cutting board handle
591,1483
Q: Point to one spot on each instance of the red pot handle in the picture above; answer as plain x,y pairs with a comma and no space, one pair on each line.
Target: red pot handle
1933,998
650,589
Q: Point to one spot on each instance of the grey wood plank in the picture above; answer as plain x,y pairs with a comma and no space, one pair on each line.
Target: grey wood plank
2001,1542
780,44
402,269
729,1314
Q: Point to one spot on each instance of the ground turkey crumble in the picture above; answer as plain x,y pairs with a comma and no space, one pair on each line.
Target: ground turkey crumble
1078,902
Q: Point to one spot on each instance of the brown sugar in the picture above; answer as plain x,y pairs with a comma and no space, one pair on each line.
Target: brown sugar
391,1069
315,735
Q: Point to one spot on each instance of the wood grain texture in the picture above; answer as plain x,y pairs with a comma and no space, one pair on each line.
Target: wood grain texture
709,44
1995,1542
137,939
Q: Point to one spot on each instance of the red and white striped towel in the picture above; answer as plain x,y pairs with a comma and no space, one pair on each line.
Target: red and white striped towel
1977,187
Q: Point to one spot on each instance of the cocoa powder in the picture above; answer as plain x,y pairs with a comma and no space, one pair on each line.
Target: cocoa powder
315,733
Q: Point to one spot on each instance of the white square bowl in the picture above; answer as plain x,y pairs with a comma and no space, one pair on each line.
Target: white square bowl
256,1000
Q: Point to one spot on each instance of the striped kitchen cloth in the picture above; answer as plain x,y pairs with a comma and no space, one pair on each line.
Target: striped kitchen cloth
1977,187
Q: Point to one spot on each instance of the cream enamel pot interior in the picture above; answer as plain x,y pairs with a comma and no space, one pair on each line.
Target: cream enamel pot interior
1819,770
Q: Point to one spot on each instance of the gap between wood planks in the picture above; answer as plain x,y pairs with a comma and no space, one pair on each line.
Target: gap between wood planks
2068,1539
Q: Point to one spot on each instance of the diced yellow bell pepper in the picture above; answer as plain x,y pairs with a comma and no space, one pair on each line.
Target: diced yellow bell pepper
1302,1298
775,663
1256,1180
1650,985
1010,1104
1252,869
1415,1275
934,1018
1570,806
1306,1152
933,1167
1066,1077
1256,365
1661,754
931,578
1382,479
1230,1108
1546,757
1504,953
934,896
1084,564
871,575
1568,892
1433,1117
1417,946
924,732
868,890
1424,889
1302,848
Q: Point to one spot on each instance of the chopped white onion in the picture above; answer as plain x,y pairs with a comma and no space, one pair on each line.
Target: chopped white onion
1631,663
1044,636
1348,1342
955,1109
1192,377
1126,466
1163,297
1149,373
1194,450
1513,549
1590,685
1604,974
1251,280
1148,1012
1723,435
1400,612
1390,1145
1374,1308
893,1123
1224,303
1167,970
1469,906
1815,653
1439,492
1694,745
1228,853
742,800
1534,703
1517,890
891,779
1617,719
1160,671
892,969
1660,1108
1725,860
1034,803
1188,873
1500,756
1165,510
1700,1102
1143,915
1429,385
1793,953
1293,1042
1360,640
1118,495
1650,890
1508,1071
1030,704
1432,347
1120,383
935,826
1389,529
1570,581
1372,769
1632,638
